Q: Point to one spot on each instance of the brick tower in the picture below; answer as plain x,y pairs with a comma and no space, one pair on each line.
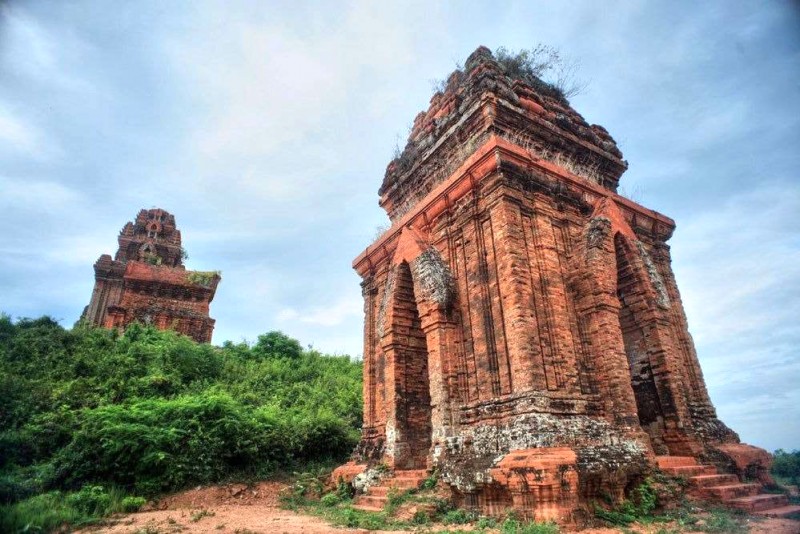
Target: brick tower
147,282
524,334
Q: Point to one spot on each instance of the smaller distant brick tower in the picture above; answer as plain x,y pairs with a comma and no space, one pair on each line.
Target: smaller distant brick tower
147,282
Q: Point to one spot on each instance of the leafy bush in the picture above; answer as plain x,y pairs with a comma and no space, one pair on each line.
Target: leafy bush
786,466
458,516
45,512
515,526
157,445
420,517
54,510
151,411
202,278
132,504
91,500
277,345
430,482
330,499
640,506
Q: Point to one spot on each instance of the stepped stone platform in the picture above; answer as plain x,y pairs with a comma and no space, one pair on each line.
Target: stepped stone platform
727,489
377,497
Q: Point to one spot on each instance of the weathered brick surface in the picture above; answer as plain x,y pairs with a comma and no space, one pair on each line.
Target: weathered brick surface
522,320
147,282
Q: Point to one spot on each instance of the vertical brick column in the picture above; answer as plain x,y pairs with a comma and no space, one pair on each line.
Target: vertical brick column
488,374
390,343
554,301
440,336
597,303
516,292
368,291
408,404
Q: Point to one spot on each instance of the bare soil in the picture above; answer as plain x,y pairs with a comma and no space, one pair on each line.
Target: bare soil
241,509
234,508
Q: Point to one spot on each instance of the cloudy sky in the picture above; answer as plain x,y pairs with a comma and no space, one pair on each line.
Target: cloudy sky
266,127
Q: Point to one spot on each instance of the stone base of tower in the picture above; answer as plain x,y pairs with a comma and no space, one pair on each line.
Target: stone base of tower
556,483
542,466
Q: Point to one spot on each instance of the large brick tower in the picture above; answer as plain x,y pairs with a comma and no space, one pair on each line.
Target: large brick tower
524,334
147,282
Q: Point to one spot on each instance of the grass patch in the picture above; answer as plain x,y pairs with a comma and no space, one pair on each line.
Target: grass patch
515,526
55,510
200,514
344,515
638,508
723,521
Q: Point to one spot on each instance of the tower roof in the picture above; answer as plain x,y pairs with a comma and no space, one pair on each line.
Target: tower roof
153,236
488,98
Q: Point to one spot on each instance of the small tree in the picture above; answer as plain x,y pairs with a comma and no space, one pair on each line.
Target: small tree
277,345
786,466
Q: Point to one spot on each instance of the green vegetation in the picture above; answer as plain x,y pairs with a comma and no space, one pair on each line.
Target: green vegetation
420,508
786,467
639,507
153,259
92,421
642,504
203,278
52,510
514,526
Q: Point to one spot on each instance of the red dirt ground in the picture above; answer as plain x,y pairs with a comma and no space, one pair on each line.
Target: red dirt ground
241,509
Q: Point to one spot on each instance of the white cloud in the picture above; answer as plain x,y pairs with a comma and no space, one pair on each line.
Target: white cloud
738,267
39,53
271,118
20,135
41,196
325,315
732,260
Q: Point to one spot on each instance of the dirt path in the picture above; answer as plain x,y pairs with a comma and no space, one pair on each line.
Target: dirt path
254,509
233,508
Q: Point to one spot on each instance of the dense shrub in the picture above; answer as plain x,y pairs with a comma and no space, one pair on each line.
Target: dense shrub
149,411
786,466
54,510
277,345
640,506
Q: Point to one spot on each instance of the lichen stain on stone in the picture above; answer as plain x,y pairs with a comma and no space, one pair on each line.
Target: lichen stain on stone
655,277
599,229
434,278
